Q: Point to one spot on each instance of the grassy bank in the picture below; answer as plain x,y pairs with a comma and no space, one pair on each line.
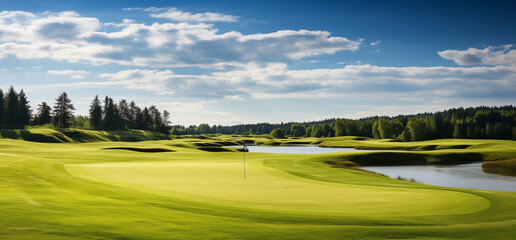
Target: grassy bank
69,135
443,151
173,189
503,167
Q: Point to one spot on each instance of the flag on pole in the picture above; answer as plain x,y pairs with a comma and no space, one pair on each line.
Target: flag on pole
244,150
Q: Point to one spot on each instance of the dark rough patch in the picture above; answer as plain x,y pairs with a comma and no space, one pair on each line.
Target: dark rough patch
204,144
459,147
388,159
215,149
79,136
200,137
360,138
406,158
454,158
36,137
429,147
147,150
226,143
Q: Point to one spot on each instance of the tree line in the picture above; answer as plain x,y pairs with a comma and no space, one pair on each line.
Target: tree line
479,122
15,112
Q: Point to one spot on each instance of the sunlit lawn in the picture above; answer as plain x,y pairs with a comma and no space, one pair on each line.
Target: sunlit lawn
83,191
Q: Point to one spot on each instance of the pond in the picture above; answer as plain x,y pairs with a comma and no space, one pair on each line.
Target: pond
468,175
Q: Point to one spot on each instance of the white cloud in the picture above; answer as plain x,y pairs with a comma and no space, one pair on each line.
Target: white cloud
500,55
376,43
67,72
234,97
196,112
196,106
180,16
150,80
256,81
67,36
75,74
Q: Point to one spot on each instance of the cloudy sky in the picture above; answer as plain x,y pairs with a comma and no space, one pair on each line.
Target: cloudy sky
232,62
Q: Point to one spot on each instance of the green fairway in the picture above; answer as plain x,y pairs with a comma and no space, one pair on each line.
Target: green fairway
86,191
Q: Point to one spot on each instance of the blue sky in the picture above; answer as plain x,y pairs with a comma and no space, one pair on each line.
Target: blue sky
231,62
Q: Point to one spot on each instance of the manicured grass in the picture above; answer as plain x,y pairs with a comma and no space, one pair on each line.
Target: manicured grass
116,190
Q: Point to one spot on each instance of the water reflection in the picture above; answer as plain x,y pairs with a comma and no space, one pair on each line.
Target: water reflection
463,176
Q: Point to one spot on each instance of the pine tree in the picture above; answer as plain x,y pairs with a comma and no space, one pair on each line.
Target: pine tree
44,114
139,121
117,117
110,114
2,107
133,110
166,117
147,119
11,107
96,113
156,118
458,129
125,114
490,130
24,111
63,111
164,124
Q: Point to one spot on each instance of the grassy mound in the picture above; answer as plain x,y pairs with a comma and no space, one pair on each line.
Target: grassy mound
442,151
68,135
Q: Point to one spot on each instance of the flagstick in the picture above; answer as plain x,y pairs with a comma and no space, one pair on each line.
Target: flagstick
244,163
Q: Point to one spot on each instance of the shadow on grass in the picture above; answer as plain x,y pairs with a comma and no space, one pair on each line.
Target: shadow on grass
215,149
405,158
145,150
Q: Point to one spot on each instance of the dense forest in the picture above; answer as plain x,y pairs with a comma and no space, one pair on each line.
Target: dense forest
478,122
